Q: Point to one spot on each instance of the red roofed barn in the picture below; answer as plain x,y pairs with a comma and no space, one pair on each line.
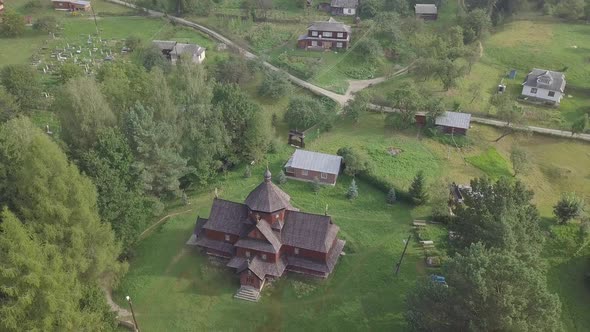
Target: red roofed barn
266,236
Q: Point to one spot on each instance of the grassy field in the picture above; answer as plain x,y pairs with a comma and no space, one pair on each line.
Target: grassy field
362,293
175,287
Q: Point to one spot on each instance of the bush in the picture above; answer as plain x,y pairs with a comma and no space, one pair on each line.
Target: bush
132,42
456,141
354,161
304,112
282,179
247,172
316,185
275,85
45,24
391,198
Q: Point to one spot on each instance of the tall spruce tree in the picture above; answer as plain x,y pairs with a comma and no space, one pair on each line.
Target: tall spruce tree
418,189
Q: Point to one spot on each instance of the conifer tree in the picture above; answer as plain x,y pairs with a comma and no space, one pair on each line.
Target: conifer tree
391,197
353,191
282,178
418,189
316,185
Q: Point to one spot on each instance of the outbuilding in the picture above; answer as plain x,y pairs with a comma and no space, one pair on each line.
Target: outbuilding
453,122
308,165
426,11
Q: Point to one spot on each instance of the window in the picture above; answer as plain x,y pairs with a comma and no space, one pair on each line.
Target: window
327,34
533,90
324,175
303,172
248,253
314,43
338,45
340,35
296,251
551,93
314,33
263,257
226,237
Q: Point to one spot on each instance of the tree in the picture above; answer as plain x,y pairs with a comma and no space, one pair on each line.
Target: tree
354,161
58,206
68,71
201,131
110,165
407,100
8,106
233,70
418,189
282,178
368,8
356,107
157,155
499,215
46,24
511,115
24,83
151,56
570,9
369,50
316,185
434,107
303,112
243,124
391,197
449,72
425,68
124,83
580,125
275,84
568,207
12,24
476,24
488,290
353,190
520,160
398,6
83,112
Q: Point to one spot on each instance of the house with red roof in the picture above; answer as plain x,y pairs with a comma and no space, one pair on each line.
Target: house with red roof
266,236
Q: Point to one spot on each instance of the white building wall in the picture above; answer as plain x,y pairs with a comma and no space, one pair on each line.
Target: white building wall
542,94
349,11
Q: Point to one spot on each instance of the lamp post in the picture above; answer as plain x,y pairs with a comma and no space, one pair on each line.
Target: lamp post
399,264
132,313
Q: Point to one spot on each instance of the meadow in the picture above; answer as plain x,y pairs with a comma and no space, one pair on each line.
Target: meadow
177,287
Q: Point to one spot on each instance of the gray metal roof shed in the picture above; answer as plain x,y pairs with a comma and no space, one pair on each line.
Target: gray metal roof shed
425,8
454,119
315,161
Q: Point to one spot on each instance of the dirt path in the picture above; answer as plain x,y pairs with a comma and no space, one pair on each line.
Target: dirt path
123,315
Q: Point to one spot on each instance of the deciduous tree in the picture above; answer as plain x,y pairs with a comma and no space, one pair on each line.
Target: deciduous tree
12,24
568,207
23,82
520,160
83,112
355,162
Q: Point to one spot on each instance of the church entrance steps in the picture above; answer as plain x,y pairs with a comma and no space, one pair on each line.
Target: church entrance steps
248,294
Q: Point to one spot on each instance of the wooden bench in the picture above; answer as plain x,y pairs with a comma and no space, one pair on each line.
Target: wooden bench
419,223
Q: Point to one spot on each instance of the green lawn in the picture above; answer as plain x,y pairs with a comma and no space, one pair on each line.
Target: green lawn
176,288
491,163
362,294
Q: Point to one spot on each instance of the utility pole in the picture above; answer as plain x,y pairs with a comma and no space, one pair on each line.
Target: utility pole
133,313
398,265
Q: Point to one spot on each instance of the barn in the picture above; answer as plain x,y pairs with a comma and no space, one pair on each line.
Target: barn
309,165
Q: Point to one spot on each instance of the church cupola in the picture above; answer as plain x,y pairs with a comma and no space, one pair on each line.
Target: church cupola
268,201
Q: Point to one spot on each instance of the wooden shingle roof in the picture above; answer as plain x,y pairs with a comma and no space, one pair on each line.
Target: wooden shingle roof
268,197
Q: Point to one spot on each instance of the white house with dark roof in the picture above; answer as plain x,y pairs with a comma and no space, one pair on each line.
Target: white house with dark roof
173,51
344,7
308,165
544,86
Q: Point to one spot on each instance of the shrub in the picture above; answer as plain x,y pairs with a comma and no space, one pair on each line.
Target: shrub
247,172
274,85
132,42
316,185
568,207
45,24
354,161
303,112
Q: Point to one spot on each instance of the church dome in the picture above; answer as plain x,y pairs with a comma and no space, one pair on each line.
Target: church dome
268,197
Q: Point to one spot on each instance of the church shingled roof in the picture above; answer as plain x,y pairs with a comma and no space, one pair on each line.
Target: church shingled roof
268,197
